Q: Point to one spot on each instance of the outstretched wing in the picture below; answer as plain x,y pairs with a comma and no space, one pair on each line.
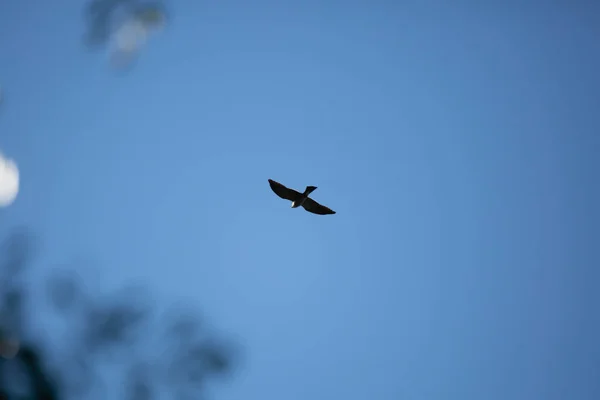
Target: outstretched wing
284,192
312,206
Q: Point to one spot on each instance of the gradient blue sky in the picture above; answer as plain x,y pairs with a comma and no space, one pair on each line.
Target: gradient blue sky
458,144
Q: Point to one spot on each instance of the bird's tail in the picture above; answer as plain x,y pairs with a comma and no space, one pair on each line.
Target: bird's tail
309,190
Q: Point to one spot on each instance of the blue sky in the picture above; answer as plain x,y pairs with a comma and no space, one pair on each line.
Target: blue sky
457,144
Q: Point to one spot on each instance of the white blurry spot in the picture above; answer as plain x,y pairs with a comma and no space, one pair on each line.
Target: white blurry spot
131,36
9,181
127,41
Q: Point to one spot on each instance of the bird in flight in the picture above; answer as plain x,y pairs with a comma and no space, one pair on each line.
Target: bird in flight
300,199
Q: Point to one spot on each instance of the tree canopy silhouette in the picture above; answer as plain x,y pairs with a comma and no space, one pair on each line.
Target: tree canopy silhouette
114,347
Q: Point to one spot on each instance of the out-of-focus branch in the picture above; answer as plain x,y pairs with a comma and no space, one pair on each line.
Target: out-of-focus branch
42,386
181,360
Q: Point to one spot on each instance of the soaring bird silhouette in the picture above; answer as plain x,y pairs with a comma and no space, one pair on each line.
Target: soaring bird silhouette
300,199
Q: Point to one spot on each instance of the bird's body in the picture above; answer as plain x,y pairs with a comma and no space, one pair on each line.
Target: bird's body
300,199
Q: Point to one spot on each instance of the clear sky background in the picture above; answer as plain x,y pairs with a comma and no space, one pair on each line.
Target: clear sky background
458,144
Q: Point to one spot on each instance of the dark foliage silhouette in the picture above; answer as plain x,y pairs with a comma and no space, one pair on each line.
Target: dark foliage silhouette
112,347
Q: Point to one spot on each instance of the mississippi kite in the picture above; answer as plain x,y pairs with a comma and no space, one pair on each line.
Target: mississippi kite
300,199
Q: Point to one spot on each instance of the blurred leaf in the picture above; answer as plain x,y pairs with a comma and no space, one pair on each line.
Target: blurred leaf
139,383
63,290
12,312
17,252
113,325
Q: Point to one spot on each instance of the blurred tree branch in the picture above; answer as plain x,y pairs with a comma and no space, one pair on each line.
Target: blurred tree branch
102,15
180,361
